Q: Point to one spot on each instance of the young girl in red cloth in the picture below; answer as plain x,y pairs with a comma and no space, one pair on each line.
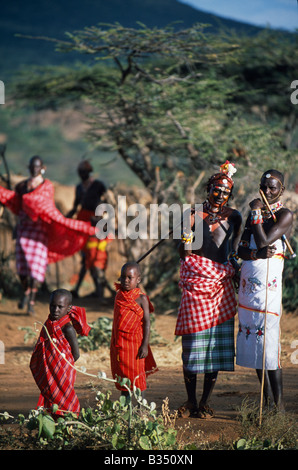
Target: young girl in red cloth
57,349
131,355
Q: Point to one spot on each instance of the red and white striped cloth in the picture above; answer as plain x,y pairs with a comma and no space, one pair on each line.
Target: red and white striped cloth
127,336
54,371
208,297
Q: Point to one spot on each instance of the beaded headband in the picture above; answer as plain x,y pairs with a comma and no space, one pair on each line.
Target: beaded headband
227,169
268,175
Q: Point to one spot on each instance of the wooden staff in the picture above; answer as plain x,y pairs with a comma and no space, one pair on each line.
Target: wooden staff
284,238
264,346
160,241
154,246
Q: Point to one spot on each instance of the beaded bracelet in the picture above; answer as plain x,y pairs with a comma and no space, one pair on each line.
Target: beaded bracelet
234,255
256,217
253,255
187,238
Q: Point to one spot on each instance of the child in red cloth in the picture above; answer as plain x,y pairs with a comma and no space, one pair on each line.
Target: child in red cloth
131,355
57,349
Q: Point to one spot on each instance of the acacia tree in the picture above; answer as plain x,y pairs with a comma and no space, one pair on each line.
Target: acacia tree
169,102
162,101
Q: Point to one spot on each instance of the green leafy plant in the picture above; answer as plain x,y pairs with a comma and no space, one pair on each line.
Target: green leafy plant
100,335
255,444
44,423
30,333
110,425
277,431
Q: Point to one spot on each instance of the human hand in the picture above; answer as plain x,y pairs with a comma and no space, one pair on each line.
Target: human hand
266,252
256,204
143,351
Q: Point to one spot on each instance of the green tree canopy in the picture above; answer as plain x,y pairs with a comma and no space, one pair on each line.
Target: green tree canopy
174,103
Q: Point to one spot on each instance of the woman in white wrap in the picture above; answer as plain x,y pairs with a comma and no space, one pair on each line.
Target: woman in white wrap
260,288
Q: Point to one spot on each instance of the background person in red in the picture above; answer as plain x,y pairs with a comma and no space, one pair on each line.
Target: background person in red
88,195
31,240
43,234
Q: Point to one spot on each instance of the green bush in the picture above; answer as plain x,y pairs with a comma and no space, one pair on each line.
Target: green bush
112,425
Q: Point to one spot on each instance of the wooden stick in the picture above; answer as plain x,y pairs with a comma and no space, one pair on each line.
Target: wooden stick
284,238
268,205
159,242
264,346
153,247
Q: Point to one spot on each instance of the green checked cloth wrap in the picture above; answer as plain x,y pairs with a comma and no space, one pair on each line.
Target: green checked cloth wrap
209,350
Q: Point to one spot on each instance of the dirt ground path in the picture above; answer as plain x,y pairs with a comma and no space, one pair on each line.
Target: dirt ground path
19,394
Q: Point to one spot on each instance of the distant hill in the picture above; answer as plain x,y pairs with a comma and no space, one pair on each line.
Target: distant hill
54,18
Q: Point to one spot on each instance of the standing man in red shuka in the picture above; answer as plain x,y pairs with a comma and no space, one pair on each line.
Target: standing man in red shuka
208,304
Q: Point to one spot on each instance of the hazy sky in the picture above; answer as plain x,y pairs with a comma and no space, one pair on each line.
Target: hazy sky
273,13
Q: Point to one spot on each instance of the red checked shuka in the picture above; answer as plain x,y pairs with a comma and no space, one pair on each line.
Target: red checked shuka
53,370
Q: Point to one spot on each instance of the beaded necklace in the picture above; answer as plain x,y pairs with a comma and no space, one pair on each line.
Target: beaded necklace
213,215
273,208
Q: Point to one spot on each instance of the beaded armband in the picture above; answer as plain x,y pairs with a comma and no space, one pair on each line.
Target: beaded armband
187,238
244,243
256,217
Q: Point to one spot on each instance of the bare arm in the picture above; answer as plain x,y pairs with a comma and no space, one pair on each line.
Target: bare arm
236,231
71,336
235,242
246,253
243,249
143,351
75,206
278,229
265,239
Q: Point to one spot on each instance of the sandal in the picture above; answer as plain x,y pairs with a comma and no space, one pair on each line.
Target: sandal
205,412
187,410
